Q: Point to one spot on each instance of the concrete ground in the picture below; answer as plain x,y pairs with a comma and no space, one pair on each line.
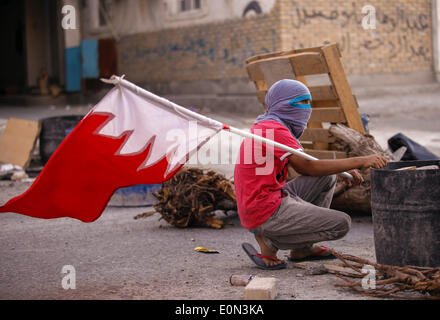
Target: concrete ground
118,257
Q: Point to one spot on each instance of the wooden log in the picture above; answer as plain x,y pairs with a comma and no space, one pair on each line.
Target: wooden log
353,200
358,144
331,268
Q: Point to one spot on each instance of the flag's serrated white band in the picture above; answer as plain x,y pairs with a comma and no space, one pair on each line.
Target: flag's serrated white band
129,114
188,114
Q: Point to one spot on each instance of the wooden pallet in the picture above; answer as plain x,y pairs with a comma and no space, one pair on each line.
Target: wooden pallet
331,103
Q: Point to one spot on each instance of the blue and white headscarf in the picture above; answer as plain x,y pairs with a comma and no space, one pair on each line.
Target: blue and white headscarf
281,106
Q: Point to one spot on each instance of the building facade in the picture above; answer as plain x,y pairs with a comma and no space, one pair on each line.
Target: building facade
195,50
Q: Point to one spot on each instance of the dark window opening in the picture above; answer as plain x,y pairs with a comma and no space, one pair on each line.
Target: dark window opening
103,12
188,5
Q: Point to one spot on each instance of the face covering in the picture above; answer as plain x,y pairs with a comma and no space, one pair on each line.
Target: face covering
282,106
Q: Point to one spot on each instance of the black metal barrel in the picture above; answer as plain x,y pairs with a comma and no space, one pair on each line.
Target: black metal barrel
53,132
406,214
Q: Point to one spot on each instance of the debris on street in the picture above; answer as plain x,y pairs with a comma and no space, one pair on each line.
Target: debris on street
407,282
144,215
19,175
261,289
13,173
311,268
240,279
205,250
191,197
18,141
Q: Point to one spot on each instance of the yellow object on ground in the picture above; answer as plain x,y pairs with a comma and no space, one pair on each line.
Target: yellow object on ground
205,250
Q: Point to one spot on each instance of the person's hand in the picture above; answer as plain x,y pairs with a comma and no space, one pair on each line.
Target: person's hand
375,160
357,178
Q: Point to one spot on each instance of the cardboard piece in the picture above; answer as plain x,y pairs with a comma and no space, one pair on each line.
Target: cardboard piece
18,141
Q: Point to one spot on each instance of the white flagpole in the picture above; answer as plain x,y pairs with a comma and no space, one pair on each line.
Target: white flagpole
163,102
278,145
194,115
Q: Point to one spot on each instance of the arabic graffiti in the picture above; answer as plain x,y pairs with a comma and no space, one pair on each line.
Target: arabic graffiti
397,19
400,42
195,51
402,34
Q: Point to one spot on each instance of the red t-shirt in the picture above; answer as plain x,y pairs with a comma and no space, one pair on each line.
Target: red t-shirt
260,173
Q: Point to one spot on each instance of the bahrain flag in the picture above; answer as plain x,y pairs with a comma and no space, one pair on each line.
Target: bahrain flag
130,137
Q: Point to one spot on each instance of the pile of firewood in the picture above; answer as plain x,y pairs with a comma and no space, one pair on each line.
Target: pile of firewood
408,282
191,197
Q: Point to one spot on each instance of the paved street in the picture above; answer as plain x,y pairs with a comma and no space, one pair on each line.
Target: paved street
118,257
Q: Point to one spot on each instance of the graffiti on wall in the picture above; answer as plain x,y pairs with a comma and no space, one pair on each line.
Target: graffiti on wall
392,45
194,51
400,32
397,19
401,41
252,8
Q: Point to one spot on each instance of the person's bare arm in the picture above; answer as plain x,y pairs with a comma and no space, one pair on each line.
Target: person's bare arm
328,167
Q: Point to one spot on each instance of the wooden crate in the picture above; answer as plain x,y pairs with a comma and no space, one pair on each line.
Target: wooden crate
331,103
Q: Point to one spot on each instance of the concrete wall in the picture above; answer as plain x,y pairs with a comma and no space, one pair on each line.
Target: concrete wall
200,61
401,42
203,65
436,37
140,16
212,51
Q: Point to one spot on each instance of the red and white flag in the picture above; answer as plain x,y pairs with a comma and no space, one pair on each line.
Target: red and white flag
130,137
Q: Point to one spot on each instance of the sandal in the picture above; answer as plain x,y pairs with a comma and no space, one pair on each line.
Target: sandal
258,258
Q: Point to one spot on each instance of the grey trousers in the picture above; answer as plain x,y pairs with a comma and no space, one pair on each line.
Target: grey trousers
303,217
